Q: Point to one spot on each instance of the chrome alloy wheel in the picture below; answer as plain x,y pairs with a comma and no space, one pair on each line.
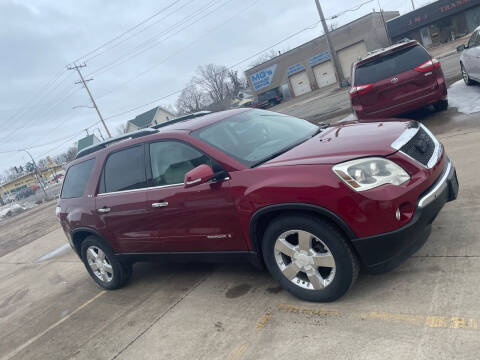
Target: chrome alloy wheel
304,259
99,264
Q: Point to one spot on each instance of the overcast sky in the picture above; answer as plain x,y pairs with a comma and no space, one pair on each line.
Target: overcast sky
39,38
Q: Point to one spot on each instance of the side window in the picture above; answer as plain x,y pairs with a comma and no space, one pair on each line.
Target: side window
125,170
171,160
76,179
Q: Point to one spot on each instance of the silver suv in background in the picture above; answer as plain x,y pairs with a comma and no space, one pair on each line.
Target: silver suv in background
470,59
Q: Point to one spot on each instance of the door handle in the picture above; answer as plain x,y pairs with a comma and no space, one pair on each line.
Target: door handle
160,204
104,210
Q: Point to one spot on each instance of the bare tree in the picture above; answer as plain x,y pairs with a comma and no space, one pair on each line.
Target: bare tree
42,163
236,83
191,99
67,156
264,57
213,79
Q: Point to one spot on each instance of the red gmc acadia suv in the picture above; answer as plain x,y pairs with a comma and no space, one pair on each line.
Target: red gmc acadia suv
311,203
396,80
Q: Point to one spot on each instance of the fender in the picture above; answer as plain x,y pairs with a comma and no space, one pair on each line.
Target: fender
296,206
92,232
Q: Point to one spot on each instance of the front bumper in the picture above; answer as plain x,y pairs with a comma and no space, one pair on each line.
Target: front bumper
383,252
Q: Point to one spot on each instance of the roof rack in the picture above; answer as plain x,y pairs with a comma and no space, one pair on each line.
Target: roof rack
102,145
182,118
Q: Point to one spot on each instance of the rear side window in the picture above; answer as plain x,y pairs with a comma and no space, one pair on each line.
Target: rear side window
390,65
124,170
76,179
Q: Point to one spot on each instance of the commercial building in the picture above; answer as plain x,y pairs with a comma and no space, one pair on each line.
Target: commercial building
28,180
308,66
437,22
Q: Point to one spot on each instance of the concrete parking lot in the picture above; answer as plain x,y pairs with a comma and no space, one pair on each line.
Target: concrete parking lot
428,308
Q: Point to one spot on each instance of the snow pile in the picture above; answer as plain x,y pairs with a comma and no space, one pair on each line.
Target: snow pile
12,210
465,98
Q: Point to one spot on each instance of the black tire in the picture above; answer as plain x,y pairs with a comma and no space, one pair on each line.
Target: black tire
465,76
120,272
441,105
346,263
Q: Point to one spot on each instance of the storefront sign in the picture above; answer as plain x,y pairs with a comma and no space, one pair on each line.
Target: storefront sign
294,69
263,78
319,58
427,14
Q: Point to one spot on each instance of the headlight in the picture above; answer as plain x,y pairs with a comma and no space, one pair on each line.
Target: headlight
368,173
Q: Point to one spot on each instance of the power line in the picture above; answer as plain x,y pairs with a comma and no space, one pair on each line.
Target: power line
348,10
151,42
44,90
33,118
118,43
48,143
194,42
125,32
230,67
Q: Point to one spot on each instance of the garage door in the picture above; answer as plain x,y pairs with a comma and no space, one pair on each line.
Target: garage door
300,83
349,55
324,74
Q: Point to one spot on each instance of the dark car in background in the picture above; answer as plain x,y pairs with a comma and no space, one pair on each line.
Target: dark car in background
268,99
470,59
396,80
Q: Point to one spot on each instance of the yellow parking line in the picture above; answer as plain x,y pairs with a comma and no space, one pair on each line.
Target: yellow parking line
38,336
263,320
237,352
445,322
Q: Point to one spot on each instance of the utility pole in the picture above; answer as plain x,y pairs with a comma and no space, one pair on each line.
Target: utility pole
413,5
333,53
384,23
84,82
39,175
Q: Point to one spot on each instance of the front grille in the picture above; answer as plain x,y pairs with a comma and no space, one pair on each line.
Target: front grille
420,147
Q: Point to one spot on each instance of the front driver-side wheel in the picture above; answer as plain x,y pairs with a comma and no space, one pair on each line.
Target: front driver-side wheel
309,257
103,266
465,76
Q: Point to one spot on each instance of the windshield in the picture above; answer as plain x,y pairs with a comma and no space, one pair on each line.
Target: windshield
255,136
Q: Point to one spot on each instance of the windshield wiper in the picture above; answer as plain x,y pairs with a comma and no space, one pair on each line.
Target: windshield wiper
321,127
280,152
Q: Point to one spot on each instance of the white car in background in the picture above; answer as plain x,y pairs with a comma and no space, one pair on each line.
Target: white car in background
470,59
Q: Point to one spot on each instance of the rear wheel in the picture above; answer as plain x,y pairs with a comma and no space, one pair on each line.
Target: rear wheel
309,258
103,266
465,76
441,105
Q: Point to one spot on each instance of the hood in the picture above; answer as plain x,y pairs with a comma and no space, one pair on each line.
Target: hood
343,142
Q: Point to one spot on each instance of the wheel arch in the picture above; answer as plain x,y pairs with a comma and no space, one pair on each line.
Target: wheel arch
81,233
262,217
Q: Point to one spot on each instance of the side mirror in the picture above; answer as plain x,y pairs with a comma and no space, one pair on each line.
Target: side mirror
461,47
199,175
